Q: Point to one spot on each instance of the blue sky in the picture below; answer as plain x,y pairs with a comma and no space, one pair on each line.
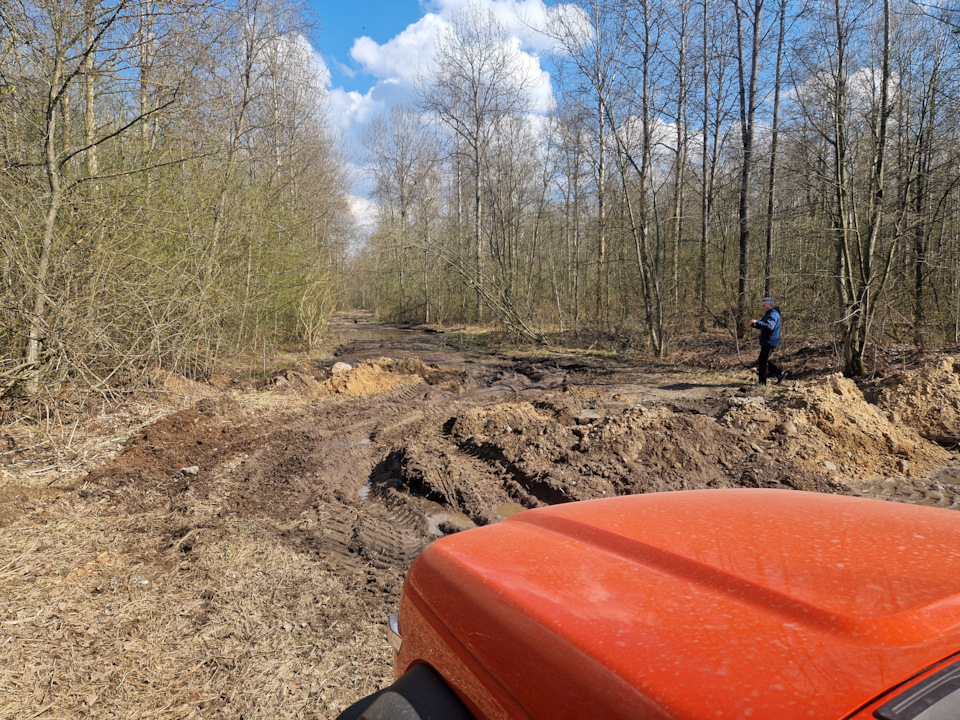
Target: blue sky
341,23
374,51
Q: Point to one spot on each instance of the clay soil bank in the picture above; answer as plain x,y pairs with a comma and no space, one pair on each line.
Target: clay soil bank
237,557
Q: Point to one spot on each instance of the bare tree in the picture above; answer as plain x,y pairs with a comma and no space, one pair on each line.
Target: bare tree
60,42
479,80
716,105
594,40
774,146
748,68
855,131
680,23
926,156
404,157
635,134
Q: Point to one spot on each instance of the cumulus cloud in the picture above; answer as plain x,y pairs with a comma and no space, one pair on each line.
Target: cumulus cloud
399,63
364,212
352,110
403,56
351,107
410,54
540,87
293,54
523,19
315,61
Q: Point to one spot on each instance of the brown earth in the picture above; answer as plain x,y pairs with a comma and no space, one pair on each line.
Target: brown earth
238,557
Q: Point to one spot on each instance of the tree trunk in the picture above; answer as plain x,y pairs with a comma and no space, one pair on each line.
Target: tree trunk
774,138
55,185
748,105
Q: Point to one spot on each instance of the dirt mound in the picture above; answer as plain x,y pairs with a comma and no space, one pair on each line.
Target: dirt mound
297,380
829,425
184,443
941,489
927,399
496,456
370,377
374,376
495,419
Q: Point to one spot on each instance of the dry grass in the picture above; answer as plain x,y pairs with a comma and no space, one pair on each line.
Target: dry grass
112,616
59,451
107,611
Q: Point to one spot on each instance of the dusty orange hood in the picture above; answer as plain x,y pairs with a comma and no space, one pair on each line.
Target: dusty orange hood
701,604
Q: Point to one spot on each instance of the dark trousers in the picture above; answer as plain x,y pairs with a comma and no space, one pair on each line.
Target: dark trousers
765,366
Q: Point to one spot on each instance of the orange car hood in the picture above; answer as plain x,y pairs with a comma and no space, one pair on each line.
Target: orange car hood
699,604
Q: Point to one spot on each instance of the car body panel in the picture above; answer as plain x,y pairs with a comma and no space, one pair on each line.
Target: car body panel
897,693
693,604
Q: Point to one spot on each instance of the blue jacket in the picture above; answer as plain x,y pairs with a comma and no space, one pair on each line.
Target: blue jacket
770,328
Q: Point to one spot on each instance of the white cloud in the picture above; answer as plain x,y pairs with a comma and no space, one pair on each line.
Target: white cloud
345,69
352,110
524,19
318,66
364,212
294,55
410,54
403,56
399,63
571,25
540,90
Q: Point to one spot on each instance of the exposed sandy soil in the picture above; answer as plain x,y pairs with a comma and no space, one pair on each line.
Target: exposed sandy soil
238,557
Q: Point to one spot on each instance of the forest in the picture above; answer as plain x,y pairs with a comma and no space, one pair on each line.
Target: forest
173,192
700,156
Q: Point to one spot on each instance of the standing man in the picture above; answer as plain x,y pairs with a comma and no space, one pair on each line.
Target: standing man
769,339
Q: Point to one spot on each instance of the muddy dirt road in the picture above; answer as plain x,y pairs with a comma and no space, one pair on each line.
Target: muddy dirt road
238,557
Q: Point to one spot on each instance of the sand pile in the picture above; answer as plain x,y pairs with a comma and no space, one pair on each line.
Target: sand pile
927,400
831,424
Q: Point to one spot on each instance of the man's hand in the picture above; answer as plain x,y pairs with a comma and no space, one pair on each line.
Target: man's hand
753,323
